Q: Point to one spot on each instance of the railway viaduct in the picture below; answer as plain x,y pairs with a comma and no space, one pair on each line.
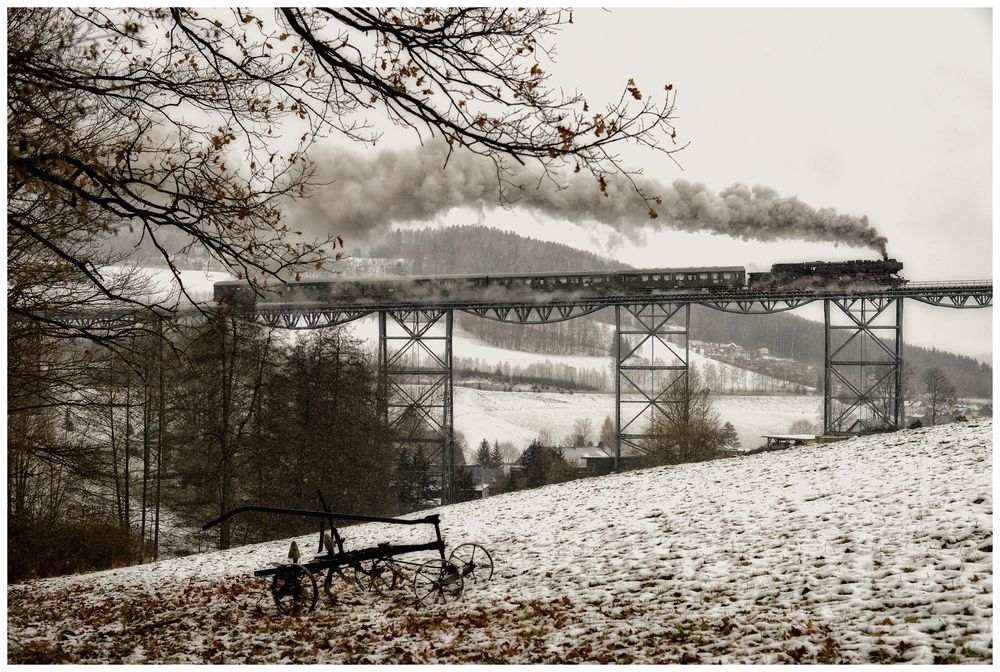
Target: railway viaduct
863,360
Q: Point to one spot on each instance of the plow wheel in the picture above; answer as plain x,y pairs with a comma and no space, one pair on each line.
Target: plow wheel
294,590
337,578
437,582
473,561
376,576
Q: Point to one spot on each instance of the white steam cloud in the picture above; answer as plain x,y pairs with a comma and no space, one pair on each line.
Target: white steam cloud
369,194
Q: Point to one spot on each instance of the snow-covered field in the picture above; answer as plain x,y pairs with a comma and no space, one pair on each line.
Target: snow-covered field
519,417
878,549
468,346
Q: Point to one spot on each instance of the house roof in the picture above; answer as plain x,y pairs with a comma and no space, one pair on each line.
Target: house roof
578,455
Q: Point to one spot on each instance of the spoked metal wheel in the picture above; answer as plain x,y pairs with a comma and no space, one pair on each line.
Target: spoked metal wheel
294,590
376,576
337,579
473,561
436,582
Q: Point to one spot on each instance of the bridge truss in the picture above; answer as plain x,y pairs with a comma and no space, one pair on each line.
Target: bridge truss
416,369
863,362
651,371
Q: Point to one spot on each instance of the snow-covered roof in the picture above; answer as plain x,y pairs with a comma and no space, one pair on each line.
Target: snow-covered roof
578,455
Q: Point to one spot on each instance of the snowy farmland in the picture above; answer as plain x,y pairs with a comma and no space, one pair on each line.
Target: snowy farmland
519,417
877,549
470,347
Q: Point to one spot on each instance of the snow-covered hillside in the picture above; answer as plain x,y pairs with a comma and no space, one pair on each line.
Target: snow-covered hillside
873,550
519,417
468,346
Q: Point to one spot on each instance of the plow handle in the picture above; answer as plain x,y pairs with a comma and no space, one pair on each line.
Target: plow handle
433,519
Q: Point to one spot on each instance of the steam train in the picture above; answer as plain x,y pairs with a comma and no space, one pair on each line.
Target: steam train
803,275
818,274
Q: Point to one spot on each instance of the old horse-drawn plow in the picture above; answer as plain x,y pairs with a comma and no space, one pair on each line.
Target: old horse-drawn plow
295,584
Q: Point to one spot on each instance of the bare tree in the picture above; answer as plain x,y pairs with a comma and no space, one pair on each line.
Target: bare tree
608,437
802,426
940,391
582,433
176,121
688,429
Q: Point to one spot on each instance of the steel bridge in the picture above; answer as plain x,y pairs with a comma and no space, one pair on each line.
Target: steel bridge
863,349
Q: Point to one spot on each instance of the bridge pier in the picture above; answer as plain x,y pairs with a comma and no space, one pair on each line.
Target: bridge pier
651,369
863,364
415,363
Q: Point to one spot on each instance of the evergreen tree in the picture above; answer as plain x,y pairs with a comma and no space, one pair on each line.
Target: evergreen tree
729,435
484,455
496,455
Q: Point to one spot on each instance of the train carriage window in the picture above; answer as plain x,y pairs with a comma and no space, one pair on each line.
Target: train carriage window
703,276
715,276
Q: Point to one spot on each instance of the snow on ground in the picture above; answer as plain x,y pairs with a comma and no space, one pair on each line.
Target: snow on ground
519,417
877,549
754,416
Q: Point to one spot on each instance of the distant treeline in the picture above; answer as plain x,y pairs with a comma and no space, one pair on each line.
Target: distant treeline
545,374
478,249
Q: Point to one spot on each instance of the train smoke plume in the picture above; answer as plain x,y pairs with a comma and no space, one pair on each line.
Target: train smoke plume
371,193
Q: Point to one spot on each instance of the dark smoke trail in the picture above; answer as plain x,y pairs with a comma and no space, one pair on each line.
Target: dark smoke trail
370,194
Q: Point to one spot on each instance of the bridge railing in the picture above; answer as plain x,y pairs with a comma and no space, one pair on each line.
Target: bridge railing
949,283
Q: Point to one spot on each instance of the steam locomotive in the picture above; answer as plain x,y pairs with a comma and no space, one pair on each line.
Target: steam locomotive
804,275
820,274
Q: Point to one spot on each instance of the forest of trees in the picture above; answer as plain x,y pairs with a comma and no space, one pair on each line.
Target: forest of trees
231,414
479,249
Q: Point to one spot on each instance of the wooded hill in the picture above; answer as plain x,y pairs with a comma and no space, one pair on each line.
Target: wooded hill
479,249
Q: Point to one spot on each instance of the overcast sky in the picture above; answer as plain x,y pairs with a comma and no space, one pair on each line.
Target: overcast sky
884,113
